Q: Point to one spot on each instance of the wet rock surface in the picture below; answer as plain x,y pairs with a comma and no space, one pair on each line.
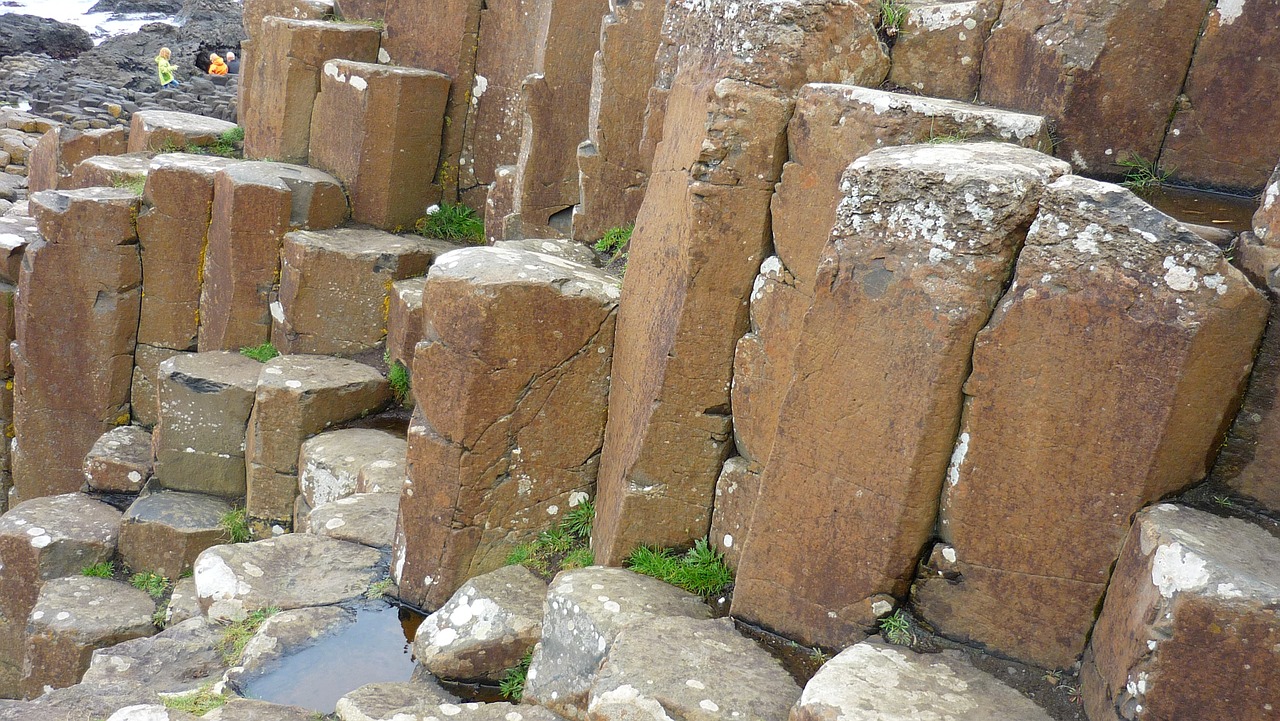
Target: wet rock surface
29,33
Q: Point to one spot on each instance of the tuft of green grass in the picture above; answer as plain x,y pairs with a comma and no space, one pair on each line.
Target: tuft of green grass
578,520
106,569
700,570
1142,175
237,634
400,381
566,545
893,15
261,353
896,628
232,136
198,702
158,618
153,583
236,525
661,563
1223,501
519,554
512,684
578,558
134,185
452,222
614,240
379,589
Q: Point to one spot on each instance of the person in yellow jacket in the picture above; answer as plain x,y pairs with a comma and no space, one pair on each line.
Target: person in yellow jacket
165,69
216,65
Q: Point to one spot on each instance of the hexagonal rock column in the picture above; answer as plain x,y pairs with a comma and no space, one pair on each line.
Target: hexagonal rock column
108,171
1032,529
404,319
330,463
155,130
377,129
205,402
698,242
335,287
585,611
41,539
76,324
254,205
938,50
892,682
120,461
71,619
365,518
292,571
286,78
61,149
298,396
1189,628
909,215
1106,74
511,382
164,532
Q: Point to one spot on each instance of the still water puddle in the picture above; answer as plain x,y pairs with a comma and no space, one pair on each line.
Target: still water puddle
1216,210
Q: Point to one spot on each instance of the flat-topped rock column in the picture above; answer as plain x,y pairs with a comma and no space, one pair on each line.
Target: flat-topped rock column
701,235
1138,336
108,171
938,49
860,490
156,130
510,383
76,326
61,149
330,464
377,128
119,462
404,320
164,532
286,78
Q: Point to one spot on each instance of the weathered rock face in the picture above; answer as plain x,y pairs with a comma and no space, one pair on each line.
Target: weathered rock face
62,148
736,492
1266,221
404,320
29,33
511,381
292,571
284,634
585,611
897,684
485,629
377,129
365,518
120,461
255,11
1219,137
298,396
697,244
205,401
1037,557
16,233
1189,627
76,323
283,84
108,171
938,51
154,130
886,329
164,532
329,464
385,700
335,287
1106,74
180,658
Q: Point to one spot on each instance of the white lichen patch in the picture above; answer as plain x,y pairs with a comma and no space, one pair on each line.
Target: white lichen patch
1175,569
957,459
1229,11
1179,277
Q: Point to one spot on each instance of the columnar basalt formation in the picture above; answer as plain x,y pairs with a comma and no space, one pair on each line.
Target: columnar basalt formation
923,244
701,235
404,320
76,326
938,49
377,129
164,532
329,464
119,462
510,381
108,171
62,148
156,130
1126,408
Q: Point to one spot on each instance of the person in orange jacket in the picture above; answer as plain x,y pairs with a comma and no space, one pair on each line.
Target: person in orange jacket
216,65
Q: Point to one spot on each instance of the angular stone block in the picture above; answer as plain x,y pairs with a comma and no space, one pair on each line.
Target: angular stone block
156,130
335,287
559,247
254,205
938,49
62,148
16,233
1266,221
286,79
120,461
365,518
511,383
299,396
330,463
72,618
108,171
164,532
1189,628
404,320
205,402
255,11
144,402
377,129
736,493
91,218
1034,528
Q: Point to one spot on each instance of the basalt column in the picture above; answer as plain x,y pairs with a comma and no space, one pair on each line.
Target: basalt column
701,235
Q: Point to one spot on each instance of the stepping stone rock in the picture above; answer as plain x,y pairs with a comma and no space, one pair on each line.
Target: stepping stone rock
389,700
109,171
404,320
153,130
292,571
16,233
120,461
61,149
690,668
205,401
330,463
485,629
150,712
1189,628
144,402
585,611
875,680
299,396
334,287
560,248
183,602
285,634
382,476
164,532
74,616
245,709
365,518
182,657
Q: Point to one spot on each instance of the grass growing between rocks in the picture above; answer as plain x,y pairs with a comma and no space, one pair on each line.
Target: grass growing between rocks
133,185
106,569
153,583
896,628
893,15
564,547
701,570
398,377
235,524
199,702
613,246
381,589
1142,175
452,222
512,684
261,353
237,634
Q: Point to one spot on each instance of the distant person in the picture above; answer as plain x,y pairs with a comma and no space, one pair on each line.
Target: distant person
165,69
233,63
216,65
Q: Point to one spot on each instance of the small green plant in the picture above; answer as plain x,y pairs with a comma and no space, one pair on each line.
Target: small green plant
561,547
1142,175
512,685
699,570
153,583
519,554
1223,501
400,381
134,185
893,15
261,353
198,702
452,222
232,136
578,520
106,569
235,524
896,628
578,558
614,240
379,589
159,618
237,634
944,139
657,562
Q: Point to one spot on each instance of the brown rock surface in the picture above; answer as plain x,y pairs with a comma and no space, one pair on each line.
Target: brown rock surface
1189,629
164,532
16,233
255,11
848,499
143,401
377,129
1106,74
62,148
938,50
120,461
108,171
404,320
329,464
1034,528
736,492
511,381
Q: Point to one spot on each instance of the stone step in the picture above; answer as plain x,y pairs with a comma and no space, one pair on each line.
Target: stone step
365,518
158,130
61,149
120,461
330,464
108,171
16,233
164,532
404,320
